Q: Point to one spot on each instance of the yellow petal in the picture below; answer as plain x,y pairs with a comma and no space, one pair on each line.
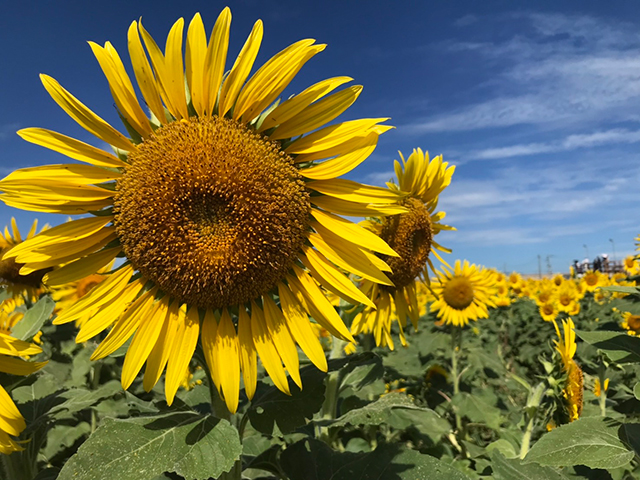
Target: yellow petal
181,353
216,59
209,333
126,325
248,359
331,278
282,339
174,71
81,268
267,350
143,342
300,328
160,352
318,114
11,421
70,147
292,107
17,366
144,74
351,232
332,136
227,356
353,209
355,191
316,303
195,53
121,88
240,71
272,78
85,117
55,175
74,230
100,295
103,317
335,167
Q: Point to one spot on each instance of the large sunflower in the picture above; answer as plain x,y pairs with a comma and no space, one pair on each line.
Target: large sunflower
223,203
463,293
412,235
11,421
20,284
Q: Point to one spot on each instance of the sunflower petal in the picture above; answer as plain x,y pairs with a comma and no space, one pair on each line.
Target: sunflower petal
81,268
216,58
248,359
267,350
183,347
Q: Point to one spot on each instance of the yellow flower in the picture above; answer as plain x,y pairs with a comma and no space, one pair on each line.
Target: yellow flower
225,207
462,293
631,265
592,280
631,323
573,390
412,235
548,311
11,421
18,280
566,297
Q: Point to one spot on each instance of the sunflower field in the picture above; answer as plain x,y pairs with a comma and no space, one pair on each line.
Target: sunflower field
217,302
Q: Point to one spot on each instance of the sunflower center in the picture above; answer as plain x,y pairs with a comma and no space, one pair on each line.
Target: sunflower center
458,293
410,235
10,273
634,323
211,212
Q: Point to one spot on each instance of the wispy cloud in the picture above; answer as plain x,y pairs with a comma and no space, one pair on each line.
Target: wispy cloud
569,143
569,69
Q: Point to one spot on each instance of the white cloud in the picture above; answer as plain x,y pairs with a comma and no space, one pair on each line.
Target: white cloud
568,70
571,142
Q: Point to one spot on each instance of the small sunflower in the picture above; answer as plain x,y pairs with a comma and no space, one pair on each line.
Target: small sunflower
598,389
631,265
592,280
463,293
19,283
567,296
11,421
631,323
574,386
412,235
224,204
548,311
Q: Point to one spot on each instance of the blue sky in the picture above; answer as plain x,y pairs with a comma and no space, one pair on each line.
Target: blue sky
539,107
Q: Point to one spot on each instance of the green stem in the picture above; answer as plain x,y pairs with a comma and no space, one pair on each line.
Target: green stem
456,341
526,438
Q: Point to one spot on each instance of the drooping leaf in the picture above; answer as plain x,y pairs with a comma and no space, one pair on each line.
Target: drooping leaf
589,441
187,443
618,346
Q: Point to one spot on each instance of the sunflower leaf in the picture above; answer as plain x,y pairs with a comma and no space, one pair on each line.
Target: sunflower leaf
187,443
314,460
34,319
513,469
590,441
618,346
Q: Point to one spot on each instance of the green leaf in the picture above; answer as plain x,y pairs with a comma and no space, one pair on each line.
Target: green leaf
33,319
477,410
189,444
270,406
618,346
514,469
589,441
361,371
47,474
636,391
374,413
61,437
424,420
621,289
313,460
503,446
630,434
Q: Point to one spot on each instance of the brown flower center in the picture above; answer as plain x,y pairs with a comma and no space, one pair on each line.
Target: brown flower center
410,235
458,293
10,273
211,212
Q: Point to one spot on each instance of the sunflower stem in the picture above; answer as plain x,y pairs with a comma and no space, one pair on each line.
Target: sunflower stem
456,341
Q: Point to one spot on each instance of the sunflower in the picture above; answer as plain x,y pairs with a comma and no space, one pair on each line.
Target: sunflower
19,283
548,311
573,390
412,235
567,296
631,323
592,280
463,293
631,265
11,421
224,204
